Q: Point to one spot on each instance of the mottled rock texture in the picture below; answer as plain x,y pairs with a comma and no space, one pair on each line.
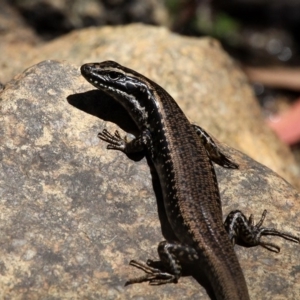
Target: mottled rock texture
73,214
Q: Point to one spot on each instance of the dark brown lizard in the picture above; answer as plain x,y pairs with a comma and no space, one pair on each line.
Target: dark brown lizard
182,155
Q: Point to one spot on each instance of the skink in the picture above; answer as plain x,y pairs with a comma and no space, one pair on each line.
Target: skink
182,154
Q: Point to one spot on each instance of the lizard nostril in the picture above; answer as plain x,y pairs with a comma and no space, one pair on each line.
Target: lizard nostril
85,69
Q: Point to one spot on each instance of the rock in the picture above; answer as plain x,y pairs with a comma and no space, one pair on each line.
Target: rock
190,70
26,25
73,214
17,41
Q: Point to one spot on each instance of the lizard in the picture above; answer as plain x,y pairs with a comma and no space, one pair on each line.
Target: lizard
182,154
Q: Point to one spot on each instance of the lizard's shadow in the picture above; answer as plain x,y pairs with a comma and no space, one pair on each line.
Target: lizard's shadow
103,106
99,104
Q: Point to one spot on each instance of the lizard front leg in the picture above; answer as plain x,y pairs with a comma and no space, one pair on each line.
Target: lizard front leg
213,151
128,143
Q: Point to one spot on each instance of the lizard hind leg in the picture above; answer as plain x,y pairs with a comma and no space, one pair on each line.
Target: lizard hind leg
241,229
168,269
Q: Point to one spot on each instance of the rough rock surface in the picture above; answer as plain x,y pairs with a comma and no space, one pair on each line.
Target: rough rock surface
196,72
73,213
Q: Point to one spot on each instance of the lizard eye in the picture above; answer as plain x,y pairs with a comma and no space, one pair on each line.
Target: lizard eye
114,75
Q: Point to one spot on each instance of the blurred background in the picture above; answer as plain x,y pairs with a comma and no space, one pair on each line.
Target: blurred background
263,37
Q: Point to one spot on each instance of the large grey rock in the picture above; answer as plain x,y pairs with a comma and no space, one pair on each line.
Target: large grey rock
73,213
206,83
